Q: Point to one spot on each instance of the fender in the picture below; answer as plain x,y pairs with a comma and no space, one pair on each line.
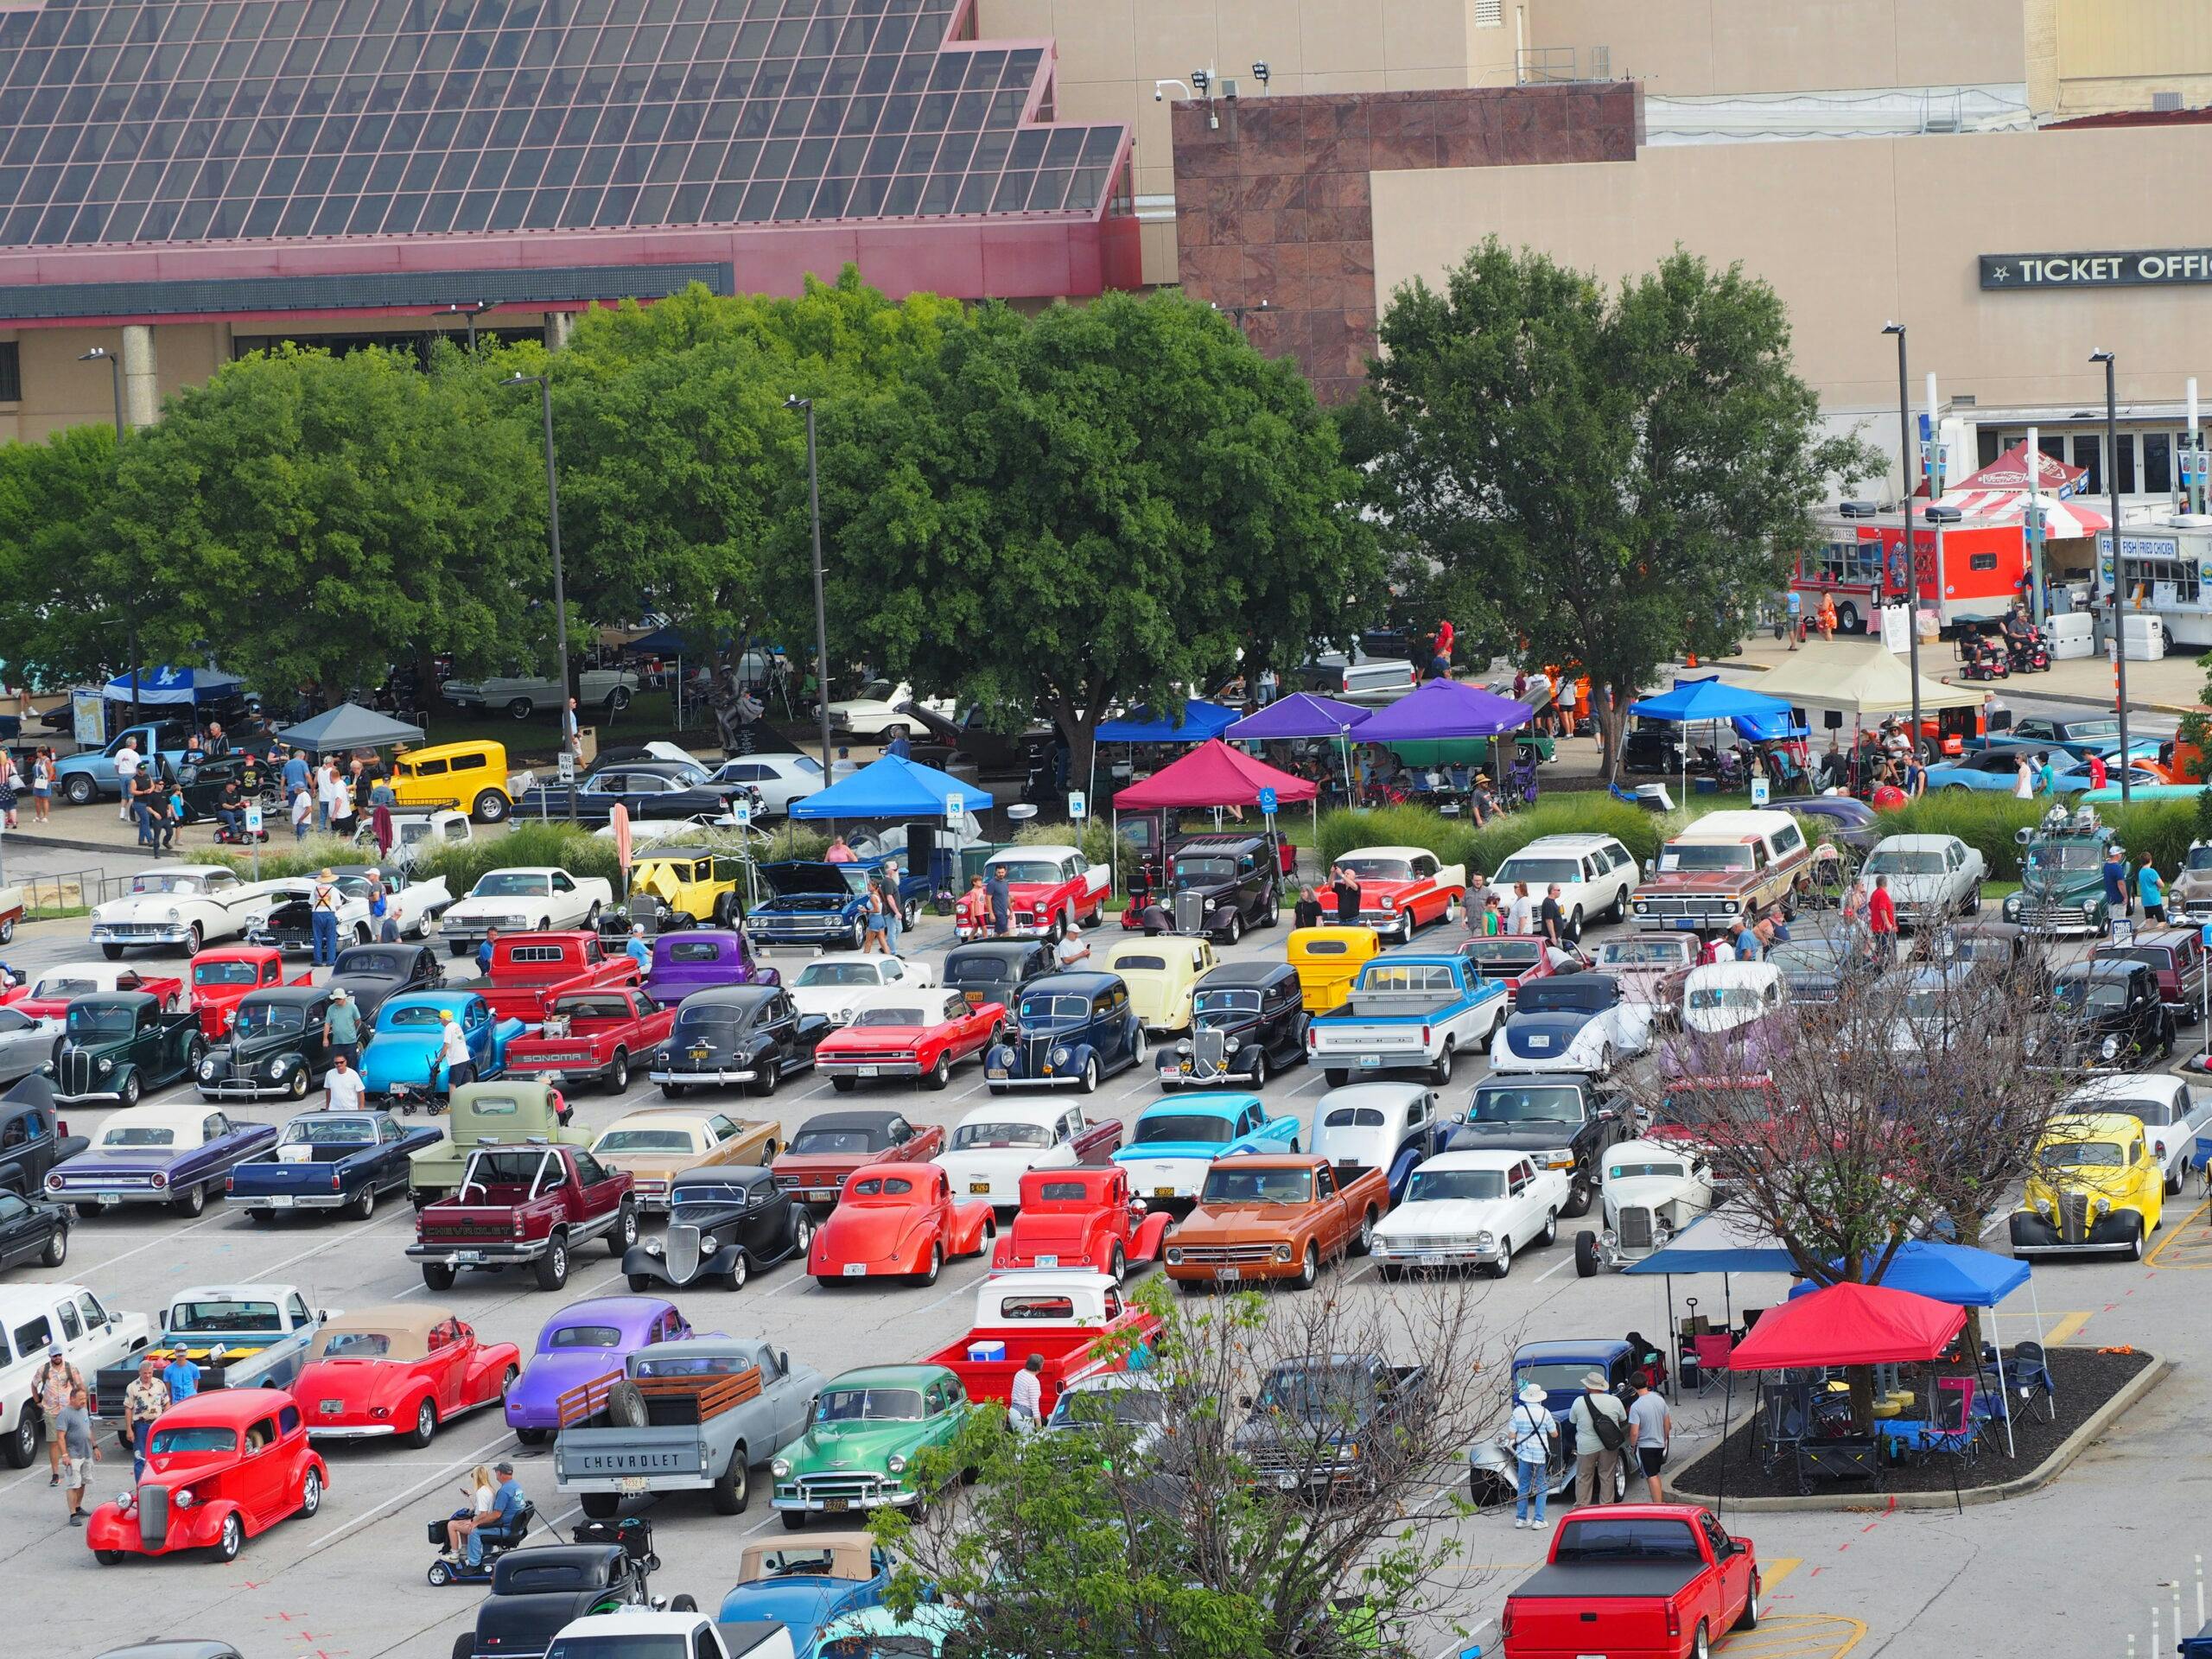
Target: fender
1144,1245
1001,1056
635,1260
203,1523
767,977
1402,1169
974,1227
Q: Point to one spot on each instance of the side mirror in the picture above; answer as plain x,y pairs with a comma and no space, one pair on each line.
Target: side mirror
782,1360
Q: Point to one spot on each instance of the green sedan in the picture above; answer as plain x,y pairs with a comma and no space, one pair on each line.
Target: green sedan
868,1425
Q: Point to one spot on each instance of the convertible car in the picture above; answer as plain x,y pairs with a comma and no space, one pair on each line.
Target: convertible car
1572,1022
48,996
920,1032
898,1221
585,1343
399,1369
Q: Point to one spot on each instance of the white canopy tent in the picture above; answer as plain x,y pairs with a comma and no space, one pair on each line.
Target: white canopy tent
1865,680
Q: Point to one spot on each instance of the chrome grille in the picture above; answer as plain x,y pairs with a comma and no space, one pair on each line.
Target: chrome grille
76,1071
1035,1051
1227,1254
133,930
1208,1047
2073,1218
681,1249
875,1056
1425,1244
854,1486
1634,1228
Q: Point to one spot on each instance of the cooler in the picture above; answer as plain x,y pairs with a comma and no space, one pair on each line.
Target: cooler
2145,634
2073,633
986,1353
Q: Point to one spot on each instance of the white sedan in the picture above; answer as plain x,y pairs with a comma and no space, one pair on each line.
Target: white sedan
185,906
1930,876
1572,1022
2172,1113
1472,1209
992,1149
834,986
876,714
782,780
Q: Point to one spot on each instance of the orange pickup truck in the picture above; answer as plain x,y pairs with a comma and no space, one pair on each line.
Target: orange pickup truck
1275,1217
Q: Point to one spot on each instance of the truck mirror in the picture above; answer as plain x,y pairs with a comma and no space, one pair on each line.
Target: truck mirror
783,1359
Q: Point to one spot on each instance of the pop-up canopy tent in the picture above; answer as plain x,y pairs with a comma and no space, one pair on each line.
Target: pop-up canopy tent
173,686
892,788
1710,700
1726,1240
1849,1325
1865,682
1213,774
1445,708
349,726
1201,722
1303,715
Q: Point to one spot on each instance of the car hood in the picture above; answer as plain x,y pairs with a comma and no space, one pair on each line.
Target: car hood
788,880
1514,1137
854,1445
1698,882
1241,1221
862,1232
1447,1216
831,1002
1650,1191
1208,1150
1917,889
547,1377
650,1166
786,904
801,1605
265,1048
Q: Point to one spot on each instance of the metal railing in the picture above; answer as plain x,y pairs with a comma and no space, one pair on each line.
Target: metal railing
1536,66
69,893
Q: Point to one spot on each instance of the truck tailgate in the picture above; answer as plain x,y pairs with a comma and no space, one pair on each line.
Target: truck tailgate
674,1452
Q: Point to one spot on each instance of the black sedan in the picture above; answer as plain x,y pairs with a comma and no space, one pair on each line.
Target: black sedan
31,1229
736,1036
369,973
722,1222
649,789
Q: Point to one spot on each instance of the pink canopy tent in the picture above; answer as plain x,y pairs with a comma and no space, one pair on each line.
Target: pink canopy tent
1848,1325
2009,472
1212,774
1997,496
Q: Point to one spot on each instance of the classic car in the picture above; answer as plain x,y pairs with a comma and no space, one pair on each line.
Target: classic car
1393,1126
1174,1142
830,1146
522,696
279,1045
489,1114
933,1630
2173,1115
470,777
1515,959
2004,948
583,1345
1327,961
241,1336
32,1140
117,1047
49,994
1124,1412
329,1160
1562,1121
747,1035
1572,1022
1651,1191
2177,960
812,904
804,1586
524,899
1219,887
647,790
592,1037
1558,1367
283,917
1989,771
371,973
1326,1422
220,1467
2079,736
32,1230
1248,1021
401,1063
1732,1013
686,886
1726,868
2188,895
868,1426
1848,823
156,1155
1931,877
833,987
2092,1184
2061,874
538,1593
37,1318
178,906
222,976
1649,970
657,1143
1817,964
994,970
923,1032
898,1221
2103,1013
523,1206
1073,1324
993,1146
1048,889
1082,1217
416,835
1409,1013
877,713
1276,1216
26,1044
399,1369
530,972
1162,975
724,1221
1595,875
781,780
1069,1030
1931,1013
1402,888
704,959
2144,770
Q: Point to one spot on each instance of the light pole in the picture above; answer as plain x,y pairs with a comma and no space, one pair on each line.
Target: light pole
553,540
1911,547
821,614
2119,570
101,354
471,313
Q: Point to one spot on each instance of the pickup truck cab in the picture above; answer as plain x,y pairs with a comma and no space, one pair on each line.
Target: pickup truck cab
252,1335
32,1138
527,1205
82,778
119,1046
1663,1580
35,1317
222,977
1324,1421
1260,1218
329,1160
591,1037
1078,1321
531,973
487,1114
1404,1014
524,899
635,1630
697,1414
1724,869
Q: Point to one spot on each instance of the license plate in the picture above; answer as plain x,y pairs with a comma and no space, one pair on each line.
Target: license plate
633,1483
1541,1042
1048,1260
1000,1071
855,1269
332,1408
1431,1259
1370,1060
1168,1191
467,1258
701,1053
280,1201
864,1070
1685,924
836,1505
1228,1275
976,998
979,1186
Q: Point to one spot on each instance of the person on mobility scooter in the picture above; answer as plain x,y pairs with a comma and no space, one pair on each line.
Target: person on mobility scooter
493,1531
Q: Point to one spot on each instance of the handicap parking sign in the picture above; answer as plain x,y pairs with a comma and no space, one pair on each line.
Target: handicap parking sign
955,804
1266,800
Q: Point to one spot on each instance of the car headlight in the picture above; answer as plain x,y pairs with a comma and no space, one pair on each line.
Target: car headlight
184,1499
653,1246
1560,1158
895,1464
1386,902
175,915
106,1066
1643,909
1059,1057
1663,1230
1609,1238
1348,1453
1282,1252
207,1069
126,1500
780,1468
2109,1047
1485,1240
2012,906
2101,1207
1182,1051
278,1066
1174,1252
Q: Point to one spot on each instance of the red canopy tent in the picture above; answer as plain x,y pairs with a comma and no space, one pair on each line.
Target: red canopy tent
1213,774
2009,472
1848,1325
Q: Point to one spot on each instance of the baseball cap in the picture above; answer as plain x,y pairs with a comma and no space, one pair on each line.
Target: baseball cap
503,1467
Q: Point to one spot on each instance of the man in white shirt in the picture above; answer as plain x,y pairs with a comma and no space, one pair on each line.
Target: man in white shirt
341,1087
1025,1408
453,1052
126,772
1072,949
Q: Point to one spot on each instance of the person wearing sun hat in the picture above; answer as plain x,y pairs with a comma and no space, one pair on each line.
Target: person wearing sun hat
1532,1432
1600,1423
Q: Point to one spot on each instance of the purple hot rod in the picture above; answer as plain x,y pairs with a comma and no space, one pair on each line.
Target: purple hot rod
704,959
1731,1015
580,1345
157,1155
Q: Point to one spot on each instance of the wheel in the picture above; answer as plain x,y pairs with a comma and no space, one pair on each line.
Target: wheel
2166,1039
859,936
802,1231
618,1073
1441,1074
734,1490
2135,1242
1749,1618
1259,1069
681,1604
601,1506
940,1074
2173,1186
1846,616
1619,911
1578,1200
533,1436
1364,1239
131,1090
1117,1264
1236,925
441,1574
297,1088
1089,1085
113,952
1406,927
770,1073
1273,914
366,1205
1309,1266
491,807
1504,1265
794,1520
57,1248
1585,1255
191,1202
426,1425
937,1265
1702,1647
1335,1076
194,937
626,1232
1485,1489
1551,1229
437,1275
844,1085
232,1538
77,789
1574,923
464,1645
23,1445
617,700
519,708
553,1266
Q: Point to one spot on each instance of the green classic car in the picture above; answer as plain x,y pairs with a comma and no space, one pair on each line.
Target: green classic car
279,1045
867,1424
119,1046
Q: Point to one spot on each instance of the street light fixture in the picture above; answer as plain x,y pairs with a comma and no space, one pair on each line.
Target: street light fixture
553,541
2119,570
821,614
101,354
471,311
1911,547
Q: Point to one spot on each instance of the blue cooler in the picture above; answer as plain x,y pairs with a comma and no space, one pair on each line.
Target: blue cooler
986,1353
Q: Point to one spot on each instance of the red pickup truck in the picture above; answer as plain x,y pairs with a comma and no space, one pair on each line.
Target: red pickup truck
1634,1581
591,1037
1077,1322
531,971
533,1204
222,977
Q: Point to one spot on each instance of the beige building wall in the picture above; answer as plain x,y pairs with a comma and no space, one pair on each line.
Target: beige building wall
1855,233
1111,52
2114,55
1688,48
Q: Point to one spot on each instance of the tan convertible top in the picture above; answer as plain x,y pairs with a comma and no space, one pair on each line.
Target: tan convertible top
405,1328
848,1554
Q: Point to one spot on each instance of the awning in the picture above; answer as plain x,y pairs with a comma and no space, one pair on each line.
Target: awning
1694,700
1722,1242
349,726
1860,678
1848,1325
2009,471
2008,510
1213,774
1946,1273
1300,714
1200,720
168,686
890,788
1445,708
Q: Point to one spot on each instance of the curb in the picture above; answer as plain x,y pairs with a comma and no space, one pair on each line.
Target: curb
2051,1467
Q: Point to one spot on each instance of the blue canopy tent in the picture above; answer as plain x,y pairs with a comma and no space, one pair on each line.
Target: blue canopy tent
1201,722
1303,715
172,686
892,788
1715,701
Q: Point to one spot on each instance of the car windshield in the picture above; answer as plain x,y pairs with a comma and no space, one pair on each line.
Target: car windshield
56,987
645,1140
1226,1002
166,881
583,1336
2066,855
842,973
1642,953
225,1317
1553,1377
978,1135
1183,1126
1691,855
1813,955
1034,871
374,965
1506,1103
870,1406
1441,1185
1610,1540
1378,869
1512,955
99,1020
320,1130
269,1018
1236,1183
1740,1000
2076,995
1628,1169
1928,1002
1140,964
217,973
1311,1391
823,1143
1189,869
975,970
1894,862
356,1344
408,1013
1044,1010
2200,855
1539,871
168,1441
137,1134
899,1015
2085,1155
1096,1407
511,884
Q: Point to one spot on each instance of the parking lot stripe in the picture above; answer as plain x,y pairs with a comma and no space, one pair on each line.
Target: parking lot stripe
168,1238
1796,1635
2068,1326
391,1505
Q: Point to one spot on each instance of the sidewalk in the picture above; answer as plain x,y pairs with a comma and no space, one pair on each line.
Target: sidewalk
2170,686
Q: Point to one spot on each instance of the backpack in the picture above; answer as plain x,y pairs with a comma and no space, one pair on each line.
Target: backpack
1612,1430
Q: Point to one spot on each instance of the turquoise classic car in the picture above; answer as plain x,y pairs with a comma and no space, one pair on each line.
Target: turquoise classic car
401,1063
868,1426
1173,1141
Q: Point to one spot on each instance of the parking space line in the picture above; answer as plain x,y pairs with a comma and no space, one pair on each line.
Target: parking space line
1796,1635
2068,1326
166,1238
391,1505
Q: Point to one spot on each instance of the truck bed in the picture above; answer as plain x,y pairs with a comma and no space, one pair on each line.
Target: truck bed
1392,1005
1609,1580
1070,1353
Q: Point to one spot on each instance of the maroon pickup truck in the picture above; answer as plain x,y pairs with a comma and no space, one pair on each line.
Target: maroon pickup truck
531,1203
591,1037
531,971
1636,1581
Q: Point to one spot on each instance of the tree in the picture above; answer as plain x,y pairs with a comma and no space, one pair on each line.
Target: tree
1625,474
60,577
1097,506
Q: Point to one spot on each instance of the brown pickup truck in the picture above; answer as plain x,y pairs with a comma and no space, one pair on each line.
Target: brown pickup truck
1724,869
1275,1217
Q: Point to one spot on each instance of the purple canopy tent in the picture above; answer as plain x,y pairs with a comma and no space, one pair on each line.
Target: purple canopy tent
1303,715
1445,708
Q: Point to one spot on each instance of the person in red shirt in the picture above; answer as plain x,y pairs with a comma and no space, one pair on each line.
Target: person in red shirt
1882,921
2098,776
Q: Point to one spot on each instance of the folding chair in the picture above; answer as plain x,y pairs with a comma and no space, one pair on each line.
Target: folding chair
1712,1352
2028,1373
1786,1422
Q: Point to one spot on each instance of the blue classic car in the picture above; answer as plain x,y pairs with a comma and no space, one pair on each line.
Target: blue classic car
330,1161
825,903
1173,1141
401,1061
1069,1031
157,1155
804,1584
1990,770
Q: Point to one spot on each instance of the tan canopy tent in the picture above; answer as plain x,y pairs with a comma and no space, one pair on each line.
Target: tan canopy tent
1861,679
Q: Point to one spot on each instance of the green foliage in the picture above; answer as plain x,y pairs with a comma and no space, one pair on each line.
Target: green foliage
284,857
59,573
571,847
1096,832
1456,841
1983,819
796,840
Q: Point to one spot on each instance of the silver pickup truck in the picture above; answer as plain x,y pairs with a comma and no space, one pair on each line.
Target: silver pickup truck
693,1416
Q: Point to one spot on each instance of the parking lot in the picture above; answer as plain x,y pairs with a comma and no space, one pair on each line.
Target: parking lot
349,1584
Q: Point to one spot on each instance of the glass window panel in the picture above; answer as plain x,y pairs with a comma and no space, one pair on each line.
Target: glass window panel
933,113
975,193
528,168
984,69
829,201
721,203
1006,110
475,213
699,82
130,61
946,71
330,215
404,214
422,170
760,201
529,87
774,75
74,183
598,164
821,33
610,47
385,170
743,160
615,206
684,121
683,43
806,77
751,39
652,121
11,185
664,84
1051,189
261,217
140,187
335,133
2124,463
756,119
791,119
630,166
705,164
583,207
297,218
1085,188
789,37
882,156
176,185
544,210
646,45
367,216
2158,463
796,199
53,223
716,40
545,46
866,198
17,232
437,132
990,151
229,221
1021,66
39,183
91,143
846,155
811,157
298,139
2088,455
351,173
1029,147
1099,145
561,166
1013,194
937,194
455,166
283,173
828,114
630,84
1062,146
863,114
246,177
507,210
438,53
575,128
438,210
653,205
876,75
593,13
892,37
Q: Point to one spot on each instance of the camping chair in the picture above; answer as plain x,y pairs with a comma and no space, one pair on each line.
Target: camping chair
1712,1349
1849,1456
2028,1371
1786,1422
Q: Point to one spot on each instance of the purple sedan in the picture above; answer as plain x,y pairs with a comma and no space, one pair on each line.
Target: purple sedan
584,1342
703,958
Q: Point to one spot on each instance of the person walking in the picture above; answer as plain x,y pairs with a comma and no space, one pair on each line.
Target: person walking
1881,924
2024,779
1550,922
42,785
453,1052
1796,605
50,1387
2046,775
127,762
872,934
11,788
1600,1423
322,917
382,799
296,773
1654,1425
2118,900
999,897
73,1432
1827,620
302,812
1533,1432
894,920
141,805
2152,891
344,1026
181,1376
143,1401
2100,774
342,1088
328,789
